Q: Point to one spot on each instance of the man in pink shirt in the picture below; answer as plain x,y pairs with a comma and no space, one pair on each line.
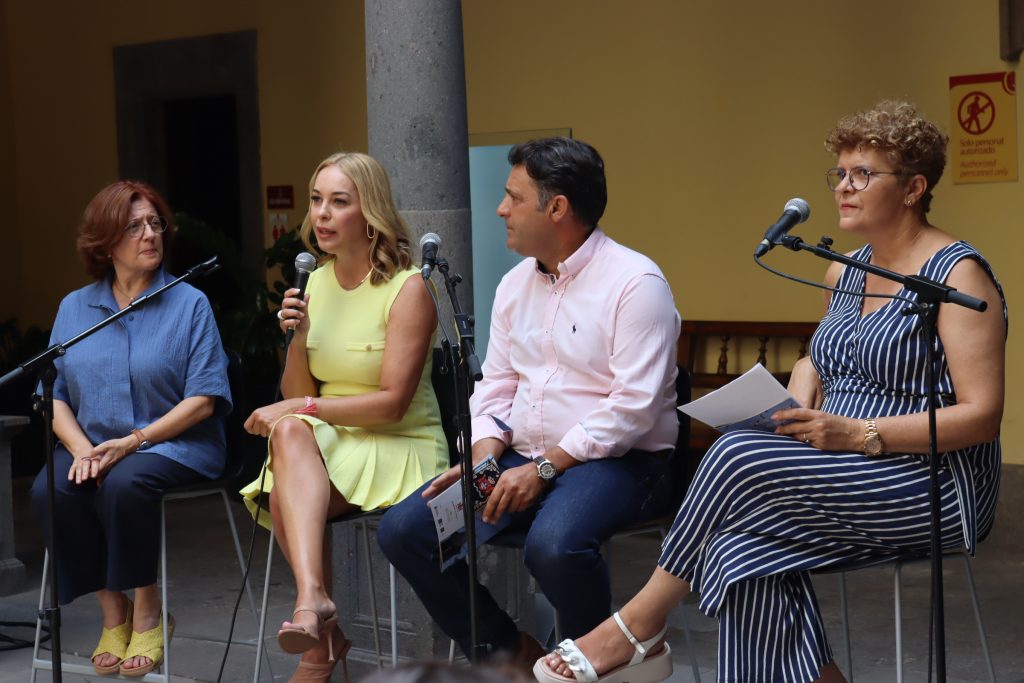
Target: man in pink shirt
577,404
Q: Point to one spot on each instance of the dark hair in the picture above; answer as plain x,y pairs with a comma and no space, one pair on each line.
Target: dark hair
567,167
104,221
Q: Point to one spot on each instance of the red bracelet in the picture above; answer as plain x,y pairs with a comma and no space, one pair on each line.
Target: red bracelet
309,409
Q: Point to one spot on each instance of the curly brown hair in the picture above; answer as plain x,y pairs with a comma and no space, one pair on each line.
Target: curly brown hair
104,220
390,248
896,129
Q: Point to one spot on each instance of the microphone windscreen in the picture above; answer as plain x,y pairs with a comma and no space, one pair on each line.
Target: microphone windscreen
305,262
800,206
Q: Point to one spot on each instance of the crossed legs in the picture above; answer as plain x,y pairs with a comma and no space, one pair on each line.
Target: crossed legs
301,502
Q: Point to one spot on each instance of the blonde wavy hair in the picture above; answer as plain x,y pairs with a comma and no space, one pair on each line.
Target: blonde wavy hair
390,249
896,129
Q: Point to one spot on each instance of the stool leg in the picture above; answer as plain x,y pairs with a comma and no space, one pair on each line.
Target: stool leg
373,597
261,629
689,645
897,574
977,616
844,609
242,568
394,615
39,615
451,652
163,590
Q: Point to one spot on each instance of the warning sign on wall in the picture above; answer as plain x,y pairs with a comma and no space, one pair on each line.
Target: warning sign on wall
983,127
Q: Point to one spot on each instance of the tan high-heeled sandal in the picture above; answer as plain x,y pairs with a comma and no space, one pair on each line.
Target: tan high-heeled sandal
309,672
296,639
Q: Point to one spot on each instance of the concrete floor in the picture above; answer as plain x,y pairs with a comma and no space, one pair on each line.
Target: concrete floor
204,580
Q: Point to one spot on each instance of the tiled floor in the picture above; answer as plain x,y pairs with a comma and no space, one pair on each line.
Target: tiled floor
212,580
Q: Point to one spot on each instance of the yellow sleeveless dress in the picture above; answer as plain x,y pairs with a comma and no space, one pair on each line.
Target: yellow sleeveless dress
372,467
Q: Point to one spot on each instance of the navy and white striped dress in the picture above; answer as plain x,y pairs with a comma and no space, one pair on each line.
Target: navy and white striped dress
764,509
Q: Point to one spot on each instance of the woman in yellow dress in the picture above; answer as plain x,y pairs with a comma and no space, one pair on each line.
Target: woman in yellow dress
359,427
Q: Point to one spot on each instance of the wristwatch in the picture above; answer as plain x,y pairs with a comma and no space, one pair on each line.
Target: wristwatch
144,443
872,441
545,470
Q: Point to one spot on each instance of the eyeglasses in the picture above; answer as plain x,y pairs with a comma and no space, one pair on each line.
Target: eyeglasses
137,226
859,177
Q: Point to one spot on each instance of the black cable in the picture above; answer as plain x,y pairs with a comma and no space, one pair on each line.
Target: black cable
252,538
8,643
832,289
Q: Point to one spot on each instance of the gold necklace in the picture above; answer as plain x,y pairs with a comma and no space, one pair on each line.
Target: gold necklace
122,292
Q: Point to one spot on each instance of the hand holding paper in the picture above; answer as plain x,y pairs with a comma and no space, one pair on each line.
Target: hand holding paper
747,402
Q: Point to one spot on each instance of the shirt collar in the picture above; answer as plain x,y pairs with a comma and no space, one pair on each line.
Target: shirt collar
579,259
101,292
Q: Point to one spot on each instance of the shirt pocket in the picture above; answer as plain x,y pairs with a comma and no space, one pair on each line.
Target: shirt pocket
363,361
364,346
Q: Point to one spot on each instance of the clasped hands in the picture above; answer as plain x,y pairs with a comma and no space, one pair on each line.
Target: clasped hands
96,462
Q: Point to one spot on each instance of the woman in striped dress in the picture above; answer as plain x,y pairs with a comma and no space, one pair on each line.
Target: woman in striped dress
847,477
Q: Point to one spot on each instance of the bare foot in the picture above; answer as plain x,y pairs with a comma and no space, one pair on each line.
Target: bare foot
145,619
310,616
606,648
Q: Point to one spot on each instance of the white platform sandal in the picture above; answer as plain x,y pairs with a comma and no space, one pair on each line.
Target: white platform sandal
639,669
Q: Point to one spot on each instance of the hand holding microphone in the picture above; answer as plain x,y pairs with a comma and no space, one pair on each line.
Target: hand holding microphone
294,299
795,212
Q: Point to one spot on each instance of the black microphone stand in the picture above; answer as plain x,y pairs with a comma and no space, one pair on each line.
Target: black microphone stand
46,372
467,370
929,295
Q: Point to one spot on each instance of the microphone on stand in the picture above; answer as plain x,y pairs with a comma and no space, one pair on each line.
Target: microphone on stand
796,211
305,263
430,244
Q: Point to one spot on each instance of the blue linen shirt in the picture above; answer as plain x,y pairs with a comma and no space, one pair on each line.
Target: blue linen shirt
135,370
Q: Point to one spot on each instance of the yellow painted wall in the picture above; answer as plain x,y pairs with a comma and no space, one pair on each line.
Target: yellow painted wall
710,115
312,94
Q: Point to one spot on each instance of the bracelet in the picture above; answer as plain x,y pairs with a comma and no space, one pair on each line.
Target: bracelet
309,409
144,443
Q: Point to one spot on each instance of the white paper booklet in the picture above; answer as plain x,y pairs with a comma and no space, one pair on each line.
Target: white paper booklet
747,402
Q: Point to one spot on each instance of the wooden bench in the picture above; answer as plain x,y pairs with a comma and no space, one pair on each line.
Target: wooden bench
738,344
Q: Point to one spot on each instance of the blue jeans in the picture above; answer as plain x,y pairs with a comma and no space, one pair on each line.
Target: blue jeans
564,532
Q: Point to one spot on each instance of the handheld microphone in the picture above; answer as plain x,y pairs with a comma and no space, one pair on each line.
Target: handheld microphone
430,244
797,211
305,263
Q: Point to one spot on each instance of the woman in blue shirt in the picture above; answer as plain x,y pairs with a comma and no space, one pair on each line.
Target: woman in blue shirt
137,409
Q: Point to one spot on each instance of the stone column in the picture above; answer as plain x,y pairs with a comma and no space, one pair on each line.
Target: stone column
12,571
416,105
416,112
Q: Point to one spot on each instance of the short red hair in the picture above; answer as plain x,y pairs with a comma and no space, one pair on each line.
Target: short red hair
105,218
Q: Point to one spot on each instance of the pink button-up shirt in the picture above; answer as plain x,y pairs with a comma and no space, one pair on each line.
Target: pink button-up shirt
585,360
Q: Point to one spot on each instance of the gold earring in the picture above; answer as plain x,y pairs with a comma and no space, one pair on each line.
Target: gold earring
909,202
371,231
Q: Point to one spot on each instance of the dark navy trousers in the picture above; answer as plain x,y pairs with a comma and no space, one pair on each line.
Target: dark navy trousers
564,532
107,536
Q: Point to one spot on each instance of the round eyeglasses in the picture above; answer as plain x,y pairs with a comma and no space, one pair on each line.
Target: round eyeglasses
859,177
137,226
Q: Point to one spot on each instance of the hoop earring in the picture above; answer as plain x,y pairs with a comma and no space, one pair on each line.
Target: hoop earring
371,231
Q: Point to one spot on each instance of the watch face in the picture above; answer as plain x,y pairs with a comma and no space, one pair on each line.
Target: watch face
873,445
546,470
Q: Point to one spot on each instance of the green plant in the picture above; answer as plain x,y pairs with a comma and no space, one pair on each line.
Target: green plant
241,300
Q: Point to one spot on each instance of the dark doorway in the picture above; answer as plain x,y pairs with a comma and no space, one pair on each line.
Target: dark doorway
188,123
201,161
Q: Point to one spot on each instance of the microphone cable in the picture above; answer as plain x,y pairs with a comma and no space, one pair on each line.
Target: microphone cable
252,538
819,285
